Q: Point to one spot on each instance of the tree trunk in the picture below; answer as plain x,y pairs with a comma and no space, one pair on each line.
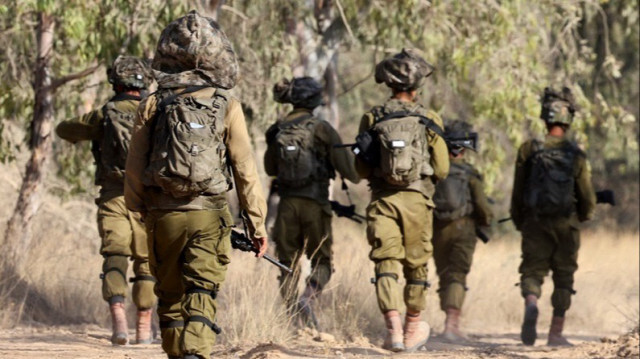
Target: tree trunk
17,234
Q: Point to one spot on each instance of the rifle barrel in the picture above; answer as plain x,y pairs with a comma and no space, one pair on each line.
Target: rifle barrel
277,263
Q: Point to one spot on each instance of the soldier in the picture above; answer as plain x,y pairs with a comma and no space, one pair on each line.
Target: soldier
122,232
187,138
407,158
552,193
461,206
301,153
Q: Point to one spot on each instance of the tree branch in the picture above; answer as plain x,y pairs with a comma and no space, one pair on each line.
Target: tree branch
57,82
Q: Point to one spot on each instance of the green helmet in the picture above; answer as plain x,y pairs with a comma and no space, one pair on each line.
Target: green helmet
302,92
558,107
130,71
194,51
459,135
405,71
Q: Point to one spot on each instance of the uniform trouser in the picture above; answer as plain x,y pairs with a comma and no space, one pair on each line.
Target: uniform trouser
123,237
303,226
453,245
189,258
551,245
399,228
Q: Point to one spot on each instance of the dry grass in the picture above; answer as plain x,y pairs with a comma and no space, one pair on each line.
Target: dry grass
65,264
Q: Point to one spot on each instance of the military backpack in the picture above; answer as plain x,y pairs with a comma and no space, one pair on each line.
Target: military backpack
549,187
188,156
396,146
114,146
453,195
298,162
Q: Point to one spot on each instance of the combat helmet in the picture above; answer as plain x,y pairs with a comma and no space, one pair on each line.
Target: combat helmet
303,92
130,72
194,51
558,107
404,71
459,135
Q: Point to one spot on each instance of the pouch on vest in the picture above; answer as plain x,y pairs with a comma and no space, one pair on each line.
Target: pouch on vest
298,163
188,157
453,194
549,189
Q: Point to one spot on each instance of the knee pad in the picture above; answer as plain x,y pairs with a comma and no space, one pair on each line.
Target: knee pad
561,300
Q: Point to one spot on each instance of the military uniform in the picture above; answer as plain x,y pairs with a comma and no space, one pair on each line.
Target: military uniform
304,216
551,242
454,241
399,220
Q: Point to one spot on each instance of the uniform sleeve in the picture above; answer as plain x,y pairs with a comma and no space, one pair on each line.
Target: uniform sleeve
438,151
137,158
517,202
585,195
363,170
481,207
342,159
270,155
245,172
87,127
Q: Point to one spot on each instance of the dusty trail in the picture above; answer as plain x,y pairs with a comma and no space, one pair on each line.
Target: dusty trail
92,342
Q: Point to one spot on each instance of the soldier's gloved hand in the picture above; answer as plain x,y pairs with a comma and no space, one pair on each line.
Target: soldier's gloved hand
261,244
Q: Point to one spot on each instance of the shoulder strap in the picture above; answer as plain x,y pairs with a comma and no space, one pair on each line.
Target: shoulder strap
427,122
296,121
167,100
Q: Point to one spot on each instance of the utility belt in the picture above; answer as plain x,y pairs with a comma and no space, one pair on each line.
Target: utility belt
158,200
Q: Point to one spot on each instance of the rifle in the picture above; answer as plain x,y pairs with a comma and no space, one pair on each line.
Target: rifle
241,242
347,211
482,236
606,196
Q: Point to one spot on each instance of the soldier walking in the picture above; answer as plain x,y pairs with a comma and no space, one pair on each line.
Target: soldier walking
552,193
406,159
122,232
188,137
303,156
461,206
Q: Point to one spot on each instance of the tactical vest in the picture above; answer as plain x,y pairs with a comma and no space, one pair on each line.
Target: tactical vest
402,147
111,151
299,164
188,157
549,185
453,194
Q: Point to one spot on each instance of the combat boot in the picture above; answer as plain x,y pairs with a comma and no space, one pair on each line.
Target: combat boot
416,332
555,333
394,339
528,334
143,326
118,321
305,308
452,333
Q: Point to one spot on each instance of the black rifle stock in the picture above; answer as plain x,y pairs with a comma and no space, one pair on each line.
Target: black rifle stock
241,242
482,236
342,210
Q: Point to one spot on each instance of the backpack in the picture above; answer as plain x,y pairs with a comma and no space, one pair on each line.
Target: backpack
403,152
188,156
114,145
549,186
298,163
453,194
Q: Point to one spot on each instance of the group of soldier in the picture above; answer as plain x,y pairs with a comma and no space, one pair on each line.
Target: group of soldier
166,160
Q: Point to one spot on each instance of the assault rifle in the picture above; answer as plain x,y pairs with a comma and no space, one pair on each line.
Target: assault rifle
241,242
606,196
347,211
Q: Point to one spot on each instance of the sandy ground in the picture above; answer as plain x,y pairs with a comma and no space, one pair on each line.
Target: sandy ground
92,342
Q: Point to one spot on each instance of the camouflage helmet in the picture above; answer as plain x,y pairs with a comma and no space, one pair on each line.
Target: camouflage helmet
459,135
302,92
558,107
194,51
405,71
130,71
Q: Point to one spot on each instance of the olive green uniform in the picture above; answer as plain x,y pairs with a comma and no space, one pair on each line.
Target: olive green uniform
454,241
189,238
551,243
399,220
121,230
304,216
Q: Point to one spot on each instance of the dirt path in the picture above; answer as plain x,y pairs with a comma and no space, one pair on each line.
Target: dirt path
93,342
